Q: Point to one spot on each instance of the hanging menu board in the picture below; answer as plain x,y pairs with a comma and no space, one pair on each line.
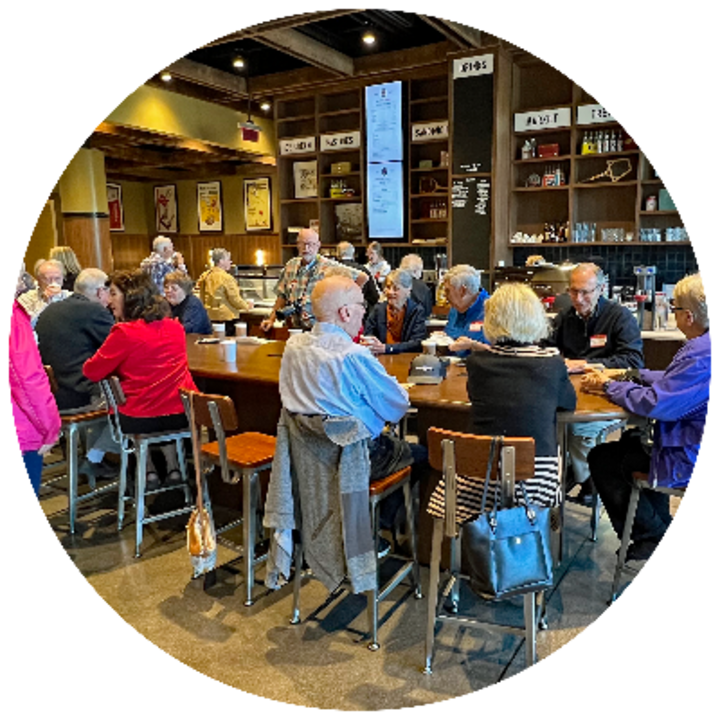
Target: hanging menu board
471,221
472,115
384,142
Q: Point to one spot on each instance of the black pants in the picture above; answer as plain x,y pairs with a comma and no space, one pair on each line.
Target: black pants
611,467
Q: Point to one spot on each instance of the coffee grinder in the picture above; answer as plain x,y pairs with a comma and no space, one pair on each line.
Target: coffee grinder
645,296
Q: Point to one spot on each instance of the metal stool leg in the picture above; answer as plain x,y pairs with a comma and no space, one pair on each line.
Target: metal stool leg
249,479
455,570
297,582
432,594
122,488
530,629
72,464
141,474
625,542
372,595
410,515
595,517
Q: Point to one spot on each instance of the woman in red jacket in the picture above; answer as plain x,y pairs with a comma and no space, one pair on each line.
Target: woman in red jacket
36,416
146,350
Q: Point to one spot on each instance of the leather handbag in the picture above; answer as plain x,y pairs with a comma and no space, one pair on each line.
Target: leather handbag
507,550
201,536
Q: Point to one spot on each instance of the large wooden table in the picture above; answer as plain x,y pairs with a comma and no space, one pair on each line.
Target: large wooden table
252,383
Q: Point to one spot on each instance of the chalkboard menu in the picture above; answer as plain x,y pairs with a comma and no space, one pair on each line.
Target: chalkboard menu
471,221
472,114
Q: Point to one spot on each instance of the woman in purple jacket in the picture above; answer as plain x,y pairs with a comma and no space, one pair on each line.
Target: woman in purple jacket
676,399
33,411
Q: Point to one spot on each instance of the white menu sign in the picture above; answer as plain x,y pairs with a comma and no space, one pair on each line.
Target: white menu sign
340,141
542,119
589,114
385,200
297,146
383,118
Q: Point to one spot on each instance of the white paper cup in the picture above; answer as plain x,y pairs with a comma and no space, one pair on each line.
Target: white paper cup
229,350
295,331
218,329
240,329
429,347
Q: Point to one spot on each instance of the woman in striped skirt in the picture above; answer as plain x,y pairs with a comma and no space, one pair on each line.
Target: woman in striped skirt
515,387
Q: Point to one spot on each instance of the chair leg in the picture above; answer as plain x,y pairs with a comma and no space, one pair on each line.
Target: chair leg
372,605
122,487
455,570
625,542
432,594
72,464
141,474
372,595
530,629
249,479
182,463
410,515
297,583
595,516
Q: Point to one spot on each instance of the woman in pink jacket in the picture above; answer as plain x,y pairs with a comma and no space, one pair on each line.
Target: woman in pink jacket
37,420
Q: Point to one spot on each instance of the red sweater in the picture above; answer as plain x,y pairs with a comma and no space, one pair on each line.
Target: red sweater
151,361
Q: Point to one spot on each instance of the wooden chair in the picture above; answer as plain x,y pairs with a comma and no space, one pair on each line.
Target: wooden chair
640,484
139,444
241,458
454,454
379,490
73,426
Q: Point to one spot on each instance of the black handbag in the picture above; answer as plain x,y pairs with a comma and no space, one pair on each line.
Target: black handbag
507,551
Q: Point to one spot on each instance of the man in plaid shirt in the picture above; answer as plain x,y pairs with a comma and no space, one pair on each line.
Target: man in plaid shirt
161,261
299,277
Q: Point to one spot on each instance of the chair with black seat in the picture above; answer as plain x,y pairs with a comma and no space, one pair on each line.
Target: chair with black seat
139,444
640,483
323,469
241,458
75,424
460,454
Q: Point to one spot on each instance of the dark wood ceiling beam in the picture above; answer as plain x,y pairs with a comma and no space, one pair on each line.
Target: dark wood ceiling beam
291,21
308,50
200,74
463,36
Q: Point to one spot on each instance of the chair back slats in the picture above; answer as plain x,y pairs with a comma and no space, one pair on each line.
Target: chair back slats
206,406
471,453
51,378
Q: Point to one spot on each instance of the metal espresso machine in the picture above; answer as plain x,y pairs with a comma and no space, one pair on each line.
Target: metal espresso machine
645,296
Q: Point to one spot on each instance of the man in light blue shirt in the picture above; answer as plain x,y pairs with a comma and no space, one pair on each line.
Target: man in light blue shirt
323,372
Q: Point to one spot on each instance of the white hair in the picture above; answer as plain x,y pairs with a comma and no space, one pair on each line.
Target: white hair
345,250
690,294
514,312
89,281
414,264
160,242
464,276
54,264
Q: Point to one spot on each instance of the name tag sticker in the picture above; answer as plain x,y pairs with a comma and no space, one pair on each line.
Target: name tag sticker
598,341
476,326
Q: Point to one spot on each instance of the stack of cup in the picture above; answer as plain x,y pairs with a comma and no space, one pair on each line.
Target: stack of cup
229,350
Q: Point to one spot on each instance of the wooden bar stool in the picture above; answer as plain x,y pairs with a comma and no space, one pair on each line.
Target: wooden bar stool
241,458
73,425
379,490
461,454
640,483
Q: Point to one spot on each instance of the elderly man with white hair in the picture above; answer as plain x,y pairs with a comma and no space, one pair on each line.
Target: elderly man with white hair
161,261
421,293
467,299
49,275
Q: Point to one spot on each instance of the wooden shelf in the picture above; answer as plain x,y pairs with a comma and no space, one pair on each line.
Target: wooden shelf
542,131
352,173
658,213
296,118
298,201
541,189
603,244
428,100
537,160
427,221
590,185
430,141
354,198
430,195
598,156
336,113
438,168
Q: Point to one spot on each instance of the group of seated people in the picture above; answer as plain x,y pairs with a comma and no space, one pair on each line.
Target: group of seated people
518,365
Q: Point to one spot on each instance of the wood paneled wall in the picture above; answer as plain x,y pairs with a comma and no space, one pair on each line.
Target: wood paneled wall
89,237
129,250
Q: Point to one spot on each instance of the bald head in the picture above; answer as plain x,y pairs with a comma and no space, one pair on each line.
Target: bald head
339,301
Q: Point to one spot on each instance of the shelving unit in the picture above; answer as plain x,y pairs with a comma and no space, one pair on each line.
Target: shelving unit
606,204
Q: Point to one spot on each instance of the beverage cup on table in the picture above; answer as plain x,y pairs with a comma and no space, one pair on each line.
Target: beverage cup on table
218,330
229,350
295,331
241,329
429,347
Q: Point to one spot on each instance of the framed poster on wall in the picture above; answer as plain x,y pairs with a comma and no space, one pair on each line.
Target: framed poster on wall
258,209
209,206
166,209
115,207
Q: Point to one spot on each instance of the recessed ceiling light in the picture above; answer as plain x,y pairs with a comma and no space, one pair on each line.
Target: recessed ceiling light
166,76
368,37
238,62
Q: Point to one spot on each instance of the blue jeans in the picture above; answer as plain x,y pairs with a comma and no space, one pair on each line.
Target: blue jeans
33,465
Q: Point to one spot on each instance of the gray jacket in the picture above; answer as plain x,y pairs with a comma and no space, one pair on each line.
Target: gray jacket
319,485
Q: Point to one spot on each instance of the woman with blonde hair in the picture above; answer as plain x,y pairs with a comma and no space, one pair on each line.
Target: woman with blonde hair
66,255
220,293
516,387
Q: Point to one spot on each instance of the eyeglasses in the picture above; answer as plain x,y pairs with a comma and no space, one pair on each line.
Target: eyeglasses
580,291
675,307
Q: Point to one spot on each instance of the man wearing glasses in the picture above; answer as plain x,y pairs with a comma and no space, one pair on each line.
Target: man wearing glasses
593,330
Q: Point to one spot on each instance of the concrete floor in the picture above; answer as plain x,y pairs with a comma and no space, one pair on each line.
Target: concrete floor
323,662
